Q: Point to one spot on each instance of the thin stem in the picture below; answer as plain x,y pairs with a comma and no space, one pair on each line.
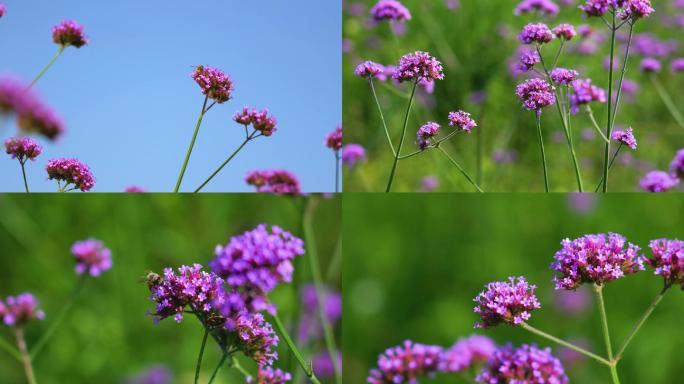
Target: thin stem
609,128
218,367
247,140
66,308
382,116
571,147
411,154
622,74
560,50
401,141
667,100
564,343
23,173
337,171
25,358
594,124
236,364
598,289
201,354
463,172
314,264
641,321
543,153
9,348
609,166
306,367
49,64
192,144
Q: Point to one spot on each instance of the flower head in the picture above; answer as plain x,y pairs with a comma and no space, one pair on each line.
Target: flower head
538,33
334,139
70,171
462,120
69,33
352,154
524,365
256,338
658,181
650,65
677,164
596,259
546,7
406,364
19,310
528,59
425,133
508,302
269,375
562,76
564,32
23,148
215,84
677,65
636,9
625,137
309,325
597,7
135,189
3,9
535,94
418,66
91,257
260,120
280,182
583,92
390,10
466,352
369,70
668,260
324,366
41,119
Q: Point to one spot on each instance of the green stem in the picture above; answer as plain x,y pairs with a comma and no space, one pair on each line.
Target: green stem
201,354
9,348
306,367
382,116
571,148
401,141
609,128
622,74
463,172
23,173
337,171
667,100
595,124
247,140
236,364
314,264
641,321
479,175
218,367
543,153
564,343
598,289
192,144
49,64
609,166
25,358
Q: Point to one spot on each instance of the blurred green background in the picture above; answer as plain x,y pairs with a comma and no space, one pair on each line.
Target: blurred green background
107,337
412,267
475,42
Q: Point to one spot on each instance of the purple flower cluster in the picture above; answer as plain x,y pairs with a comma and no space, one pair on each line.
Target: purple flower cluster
462,120
466,353
625,137
597,7
280,182
390,10
368,69
658,181
668,260
508,302
19,310
524,365
535,94
650,65
426,133
677,164
23,149
158,374
625,9
677,65
352,154
32,115
418,66
528,59
268,375
257,338
68,33
564,32
584,92
636,9
562,76
597,258
334,139
538,33
260,120
309,325
70,171
214,83
406,364
91,257
546,7
3,9
135,189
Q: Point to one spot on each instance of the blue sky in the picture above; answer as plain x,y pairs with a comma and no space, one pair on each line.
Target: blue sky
130,105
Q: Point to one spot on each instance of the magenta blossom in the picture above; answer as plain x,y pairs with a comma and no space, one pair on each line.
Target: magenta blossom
650,65
368,69
334,139
564,32
526,364
584,92
269,375
18,310
23,148
535,94
69,33
353,154
668,260
508,302
259,120
546,7
625,137
215,84
466,353
92,257
3,9
390,10
70,172
562,76
426,133
417,66
658,181
462,120
538,33
406,363
280,182
677,164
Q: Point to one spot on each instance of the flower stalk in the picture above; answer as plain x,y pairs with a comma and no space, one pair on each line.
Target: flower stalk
192,144
401,140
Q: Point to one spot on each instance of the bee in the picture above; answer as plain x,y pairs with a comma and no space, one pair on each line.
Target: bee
151,279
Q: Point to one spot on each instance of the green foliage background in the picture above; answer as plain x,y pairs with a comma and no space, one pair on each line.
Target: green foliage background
468,43
412,266
107,336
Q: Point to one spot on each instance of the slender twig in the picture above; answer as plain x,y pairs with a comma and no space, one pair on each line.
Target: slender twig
609,128
9,348
382,116
192,144
594,124
25,358
247,140
560,50
218,367
49,64
23,173
306,367
609,166
598,289
463,172
235,363
401,141
201,354
543,153
564,343
622,74
667,100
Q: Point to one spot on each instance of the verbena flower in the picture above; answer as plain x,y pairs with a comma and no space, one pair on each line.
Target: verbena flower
429,183
13,95
535,94
597,7
650,65
135,189
32,115
23,148
426,133
524,365
636,9
538,33
508,302
546,7
625,137
417,66
677,65
564,32
69,33
462,120
334,139
528,59
71,172
406,363
18,310
269,375
584,92
3,9
390,10
157,374
658,181
259,120
280,182
92,257
677,164
597,258
309,324
466,352
368,69
256,338
353,154
668,260
214,83
563,76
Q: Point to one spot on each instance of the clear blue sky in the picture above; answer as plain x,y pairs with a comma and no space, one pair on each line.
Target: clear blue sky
130,105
